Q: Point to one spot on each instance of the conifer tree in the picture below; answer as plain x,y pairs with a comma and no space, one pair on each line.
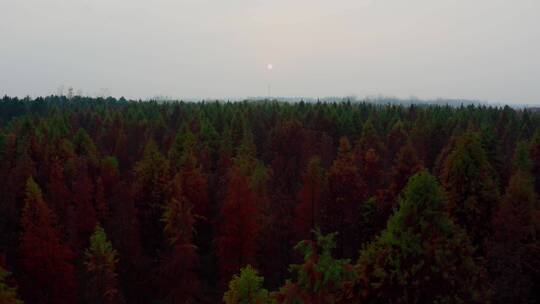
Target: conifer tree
397,138
369,153
492,146
345,189
194,183
100,201
58,193
246,288
422,256
100,261
534,153
406,165
109,174
151,177
83,218
84,144
310,198
12,195
372,172
239,227
369,140
124,233
46,264
514,248
183,141
320,279
177,279
472,190
8,295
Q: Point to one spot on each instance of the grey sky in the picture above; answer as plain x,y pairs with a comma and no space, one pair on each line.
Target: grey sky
476,49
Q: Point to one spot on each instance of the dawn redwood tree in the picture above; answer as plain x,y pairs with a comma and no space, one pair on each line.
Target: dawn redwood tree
438,166
514,248
396,139
8,208
286,155
273,212
420,134
84,145
84,217
239,227
345,191
183,141
535,158
58,192
406,164
12,194
521,162
320,279
472,190
247,288
421,256
151,178
124,233
109,174
369,154
100,201
8,294
310,199
508,128
177,279
100,261
47,273
492,146
194,188
194,183
369,140
225,153
109,177
326,149
372,172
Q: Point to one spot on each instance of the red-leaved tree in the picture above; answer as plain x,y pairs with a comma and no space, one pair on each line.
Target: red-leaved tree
47,272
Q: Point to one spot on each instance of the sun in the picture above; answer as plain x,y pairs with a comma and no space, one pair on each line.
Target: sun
269,66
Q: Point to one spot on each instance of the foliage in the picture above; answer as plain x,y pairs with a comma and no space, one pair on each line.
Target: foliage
321,278
346,192
472,190
47,269
239,227
422,256
8,295
310,198
246,288
176,278
189,193
100,263
514,248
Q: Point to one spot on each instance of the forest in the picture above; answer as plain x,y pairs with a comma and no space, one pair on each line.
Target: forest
107,200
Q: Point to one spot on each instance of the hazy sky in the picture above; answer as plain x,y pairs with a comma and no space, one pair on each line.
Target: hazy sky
476,49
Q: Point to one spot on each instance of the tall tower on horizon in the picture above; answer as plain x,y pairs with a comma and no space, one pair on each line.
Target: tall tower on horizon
269,67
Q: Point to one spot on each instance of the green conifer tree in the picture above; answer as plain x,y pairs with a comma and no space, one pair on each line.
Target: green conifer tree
246,288
100,260
422,256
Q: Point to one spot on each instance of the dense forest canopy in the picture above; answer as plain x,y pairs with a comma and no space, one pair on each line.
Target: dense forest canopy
117,201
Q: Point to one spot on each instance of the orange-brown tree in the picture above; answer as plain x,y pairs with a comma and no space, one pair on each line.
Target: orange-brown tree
47,272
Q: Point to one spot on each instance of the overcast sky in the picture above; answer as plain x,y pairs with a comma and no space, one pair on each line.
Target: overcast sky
475,49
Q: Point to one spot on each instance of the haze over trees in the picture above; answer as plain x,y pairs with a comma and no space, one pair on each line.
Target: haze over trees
117,201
